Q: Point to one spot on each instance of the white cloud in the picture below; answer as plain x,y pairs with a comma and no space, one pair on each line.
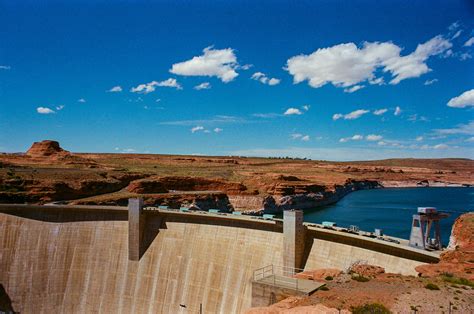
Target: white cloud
151,87
205,85
292,111
267,115
296,136
413,65
262,78
145,88
459,129
351,115
306,107
219,119
464,100
246,67
441,146
469,42
337,116
273,81
458,33
115,89
465,56
415,117
373,137
353,88
197,128
356,137
429,82
419,138
377,81
454,26
5,67
44,110
380,112
299,136
60,107
382,143
213,62
257,75
171,82
397,111
346,65
82,100
471,139
218,130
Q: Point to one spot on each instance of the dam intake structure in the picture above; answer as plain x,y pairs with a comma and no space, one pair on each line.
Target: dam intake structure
60,258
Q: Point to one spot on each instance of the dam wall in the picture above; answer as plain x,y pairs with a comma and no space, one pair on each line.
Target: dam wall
327,254
84,267
50,265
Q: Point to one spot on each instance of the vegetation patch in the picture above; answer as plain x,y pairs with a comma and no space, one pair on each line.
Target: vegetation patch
329,278
457,281
374,308
431,286
360,278
324,288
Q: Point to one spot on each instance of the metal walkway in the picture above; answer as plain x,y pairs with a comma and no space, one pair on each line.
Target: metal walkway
283,277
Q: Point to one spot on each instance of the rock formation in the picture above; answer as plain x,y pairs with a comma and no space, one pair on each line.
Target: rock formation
367,270
319,274
315,195
165,184
45,149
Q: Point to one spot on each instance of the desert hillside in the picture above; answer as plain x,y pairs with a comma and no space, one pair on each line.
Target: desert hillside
47,172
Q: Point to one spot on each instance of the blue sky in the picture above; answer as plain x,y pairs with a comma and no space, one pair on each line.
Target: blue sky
331,80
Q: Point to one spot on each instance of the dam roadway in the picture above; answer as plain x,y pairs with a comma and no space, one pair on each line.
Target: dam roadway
62,258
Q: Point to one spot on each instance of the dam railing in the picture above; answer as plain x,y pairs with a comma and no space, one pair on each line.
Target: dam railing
280,276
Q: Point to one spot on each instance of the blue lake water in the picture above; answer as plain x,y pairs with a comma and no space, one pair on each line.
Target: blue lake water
391,209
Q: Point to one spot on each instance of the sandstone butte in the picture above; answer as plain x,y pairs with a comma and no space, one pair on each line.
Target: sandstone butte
46,148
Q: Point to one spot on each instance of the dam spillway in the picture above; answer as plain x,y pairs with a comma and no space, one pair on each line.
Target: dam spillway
65,263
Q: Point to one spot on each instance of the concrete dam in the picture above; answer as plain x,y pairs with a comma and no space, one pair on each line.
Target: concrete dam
99,259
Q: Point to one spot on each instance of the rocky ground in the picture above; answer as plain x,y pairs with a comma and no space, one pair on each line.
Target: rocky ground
439,287
47,172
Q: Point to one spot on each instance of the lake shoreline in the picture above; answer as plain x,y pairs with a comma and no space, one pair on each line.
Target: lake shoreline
391,209
276,205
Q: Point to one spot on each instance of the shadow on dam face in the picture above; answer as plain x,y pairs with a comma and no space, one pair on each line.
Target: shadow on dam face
65,213
5,301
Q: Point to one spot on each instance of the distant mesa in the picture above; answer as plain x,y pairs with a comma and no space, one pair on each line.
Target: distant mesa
46,148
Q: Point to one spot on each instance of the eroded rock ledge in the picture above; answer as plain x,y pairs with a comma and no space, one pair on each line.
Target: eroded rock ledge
325,196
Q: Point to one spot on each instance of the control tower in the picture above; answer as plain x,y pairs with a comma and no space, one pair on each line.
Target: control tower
423,235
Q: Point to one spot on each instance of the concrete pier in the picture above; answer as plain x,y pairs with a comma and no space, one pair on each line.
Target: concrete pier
293,240
136,226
